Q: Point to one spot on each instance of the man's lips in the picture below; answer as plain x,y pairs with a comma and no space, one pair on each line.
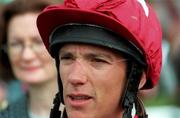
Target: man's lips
78,99
81,97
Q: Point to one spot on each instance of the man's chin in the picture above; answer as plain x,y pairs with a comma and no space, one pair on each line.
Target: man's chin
79,115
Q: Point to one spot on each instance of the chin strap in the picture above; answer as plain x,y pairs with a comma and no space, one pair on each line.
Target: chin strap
130,95
55,113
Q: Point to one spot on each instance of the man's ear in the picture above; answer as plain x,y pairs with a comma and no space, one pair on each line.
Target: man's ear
143,80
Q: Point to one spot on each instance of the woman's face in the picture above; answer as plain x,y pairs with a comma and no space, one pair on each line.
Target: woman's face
29,59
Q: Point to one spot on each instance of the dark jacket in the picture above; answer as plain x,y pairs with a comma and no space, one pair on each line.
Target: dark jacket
17,109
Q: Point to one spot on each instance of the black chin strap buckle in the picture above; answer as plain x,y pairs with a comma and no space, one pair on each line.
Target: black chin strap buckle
131,90
55,113
128,104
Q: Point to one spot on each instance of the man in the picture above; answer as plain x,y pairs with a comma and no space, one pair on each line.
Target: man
105,51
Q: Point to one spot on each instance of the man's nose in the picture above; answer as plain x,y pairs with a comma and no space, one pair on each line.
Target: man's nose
78,74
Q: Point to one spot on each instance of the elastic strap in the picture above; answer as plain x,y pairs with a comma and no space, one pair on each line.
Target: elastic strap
130,95
55,113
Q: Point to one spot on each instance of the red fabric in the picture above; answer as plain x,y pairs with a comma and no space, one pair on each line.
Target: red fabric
126,17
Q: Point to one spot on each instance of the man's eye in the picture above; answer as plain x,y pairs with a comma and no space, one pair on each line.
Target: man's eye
99,63
99,60
66,58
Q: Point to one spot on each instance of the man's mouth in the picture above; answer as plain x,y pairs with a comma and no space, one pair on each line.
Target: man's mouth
79,100
80,97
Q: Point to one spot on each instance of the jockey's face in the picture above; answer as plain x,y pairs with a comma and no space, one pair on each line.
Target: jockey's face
93,79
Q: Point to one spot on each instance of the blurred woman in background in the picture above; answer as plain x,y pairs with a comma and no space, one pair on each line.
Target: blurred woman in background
24,57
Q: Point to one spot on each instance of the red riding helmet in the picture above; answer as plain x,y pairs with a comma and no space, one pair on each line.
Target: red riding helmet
134,20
